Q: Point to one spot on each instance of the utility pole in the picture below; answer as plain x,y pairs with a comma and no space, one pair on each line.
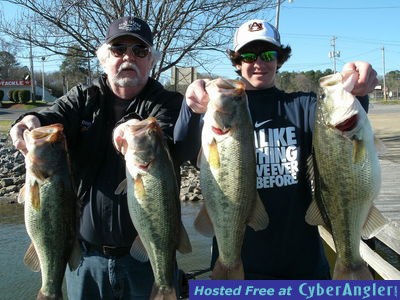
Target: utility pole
43,59
333,54
33,91
384,73
277,11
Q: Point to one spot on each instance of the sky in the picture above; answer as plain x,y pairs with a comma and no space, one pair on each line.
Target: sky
362,28
365,30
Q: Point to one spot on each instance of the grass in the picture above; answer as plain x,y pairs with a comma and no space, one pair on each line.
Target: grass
381,101
28,105
5,126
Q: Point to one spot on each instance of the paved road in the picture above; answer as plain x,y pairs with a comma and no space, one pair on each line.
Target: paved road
12,114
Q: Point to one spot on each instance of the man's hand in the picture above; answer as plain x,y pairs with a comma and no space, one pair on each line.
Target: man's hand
367,79
29,122
196,96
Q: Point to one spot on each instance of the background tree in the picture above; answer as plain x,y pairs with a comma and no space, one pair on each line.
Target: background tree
8,64
301,81
74,68
392,81
183,30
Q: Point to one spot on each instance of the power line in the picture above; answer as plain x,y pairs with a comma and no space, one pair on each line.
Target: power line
345,8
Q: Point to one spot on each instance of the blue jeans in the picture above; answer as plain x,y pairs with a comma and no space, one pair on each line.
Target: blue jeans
100,277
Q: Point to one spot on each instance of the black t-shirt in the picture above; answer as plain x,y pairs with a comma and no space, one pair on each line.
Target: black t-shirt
112,224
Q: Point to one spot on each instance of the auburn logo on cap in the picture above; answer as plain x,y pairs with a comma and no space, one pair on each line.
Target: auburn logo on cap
255,26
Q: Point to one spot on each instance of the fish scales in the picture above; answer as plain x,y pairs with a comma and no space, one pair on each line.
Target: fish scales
347,172
224,196
49,208
353,198
228,175
153,201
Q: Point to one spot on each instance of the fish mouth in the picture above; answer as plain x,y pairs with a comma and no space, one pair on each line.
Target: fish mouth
145,166
349,124
219,131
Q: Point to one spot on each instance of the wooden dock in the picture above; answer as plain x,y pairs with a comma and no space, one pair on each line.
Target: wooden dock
388,201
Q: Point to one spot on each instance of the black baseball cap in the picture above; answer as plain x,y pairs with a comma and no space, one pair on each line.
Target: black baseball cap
130,26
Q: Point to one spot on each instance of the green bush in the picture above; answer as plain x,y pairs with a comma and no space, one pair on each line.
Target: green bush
15,96
23,96
10,95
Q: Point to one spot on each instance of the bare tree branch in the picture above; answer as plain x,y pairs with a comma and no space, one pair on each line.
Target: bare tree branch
182,29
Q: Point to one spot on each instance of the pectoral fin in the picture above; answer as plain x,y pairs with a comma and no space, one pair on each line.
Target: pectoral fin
184,245
374,224
259,218
313,215
21,195
75,256
203,223
138,250
121,188
213,155
35,196
31,259
359,151
138,185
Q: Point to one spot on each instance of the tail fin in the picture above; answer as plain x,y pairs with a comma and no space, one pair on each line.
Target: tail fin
163,293
41,296
222,272
358,272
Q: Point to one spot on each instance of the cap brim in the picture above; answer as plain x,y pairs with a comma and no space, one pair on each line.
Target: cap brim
110,39
271,41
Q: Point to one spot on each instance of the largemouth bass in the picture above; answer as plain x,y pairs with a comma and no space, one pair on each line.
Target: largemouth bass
347,174
50,208
153,201
228,176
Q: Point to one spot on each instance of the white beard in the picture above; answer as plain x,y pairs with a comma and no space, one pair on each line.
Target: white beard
124,81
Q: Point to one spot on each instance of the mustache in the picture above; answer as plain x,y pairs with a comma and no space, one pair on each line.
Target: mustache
127,65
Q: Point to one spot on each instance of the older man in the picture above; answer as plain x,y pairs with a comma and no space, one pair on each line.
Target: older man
89,115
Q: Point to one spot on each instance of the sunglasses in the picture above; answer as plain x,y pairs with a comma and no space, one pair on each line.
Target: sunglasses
138,50
265,56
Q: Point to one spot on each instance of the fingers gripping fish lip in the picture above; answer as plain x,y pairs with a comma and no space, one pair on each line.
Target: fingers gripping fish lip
136,134
226,86
223,109
223,92
45,134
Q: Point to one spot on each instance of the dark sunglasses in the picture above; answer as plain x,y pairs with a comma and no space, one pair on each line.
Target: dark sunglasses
138,50
265,56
